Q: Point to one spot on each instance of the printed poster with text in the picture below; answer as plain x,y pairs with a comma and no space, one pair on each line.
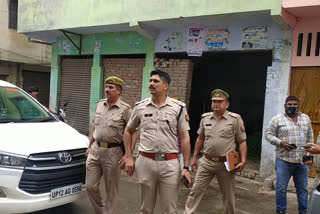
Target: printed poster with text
217,39
195,41
255,37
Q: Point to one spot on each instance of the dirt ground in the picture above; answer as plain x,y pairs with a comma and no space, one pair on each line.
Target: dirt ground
250,199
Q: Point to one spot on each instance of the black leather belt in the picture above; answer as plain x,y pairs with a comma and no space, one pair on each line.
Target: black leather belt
107,145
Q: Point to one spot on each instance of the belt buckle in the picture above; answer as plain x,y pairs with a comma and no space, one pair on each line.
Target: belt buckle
215,159
160,157
104,144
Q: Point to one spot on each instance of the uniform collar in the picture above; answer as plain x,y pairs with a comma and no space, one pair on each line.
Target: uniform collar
225,115
117,104
167,102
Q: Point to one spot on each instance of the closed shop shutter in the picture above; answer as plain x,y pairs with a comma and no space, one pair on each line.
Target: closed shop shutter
75,90
40,80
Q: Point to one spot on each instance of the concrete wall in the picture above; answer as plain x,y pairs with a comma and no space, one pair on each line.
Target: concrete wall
40,15
306,25
233,22
16,49
12,71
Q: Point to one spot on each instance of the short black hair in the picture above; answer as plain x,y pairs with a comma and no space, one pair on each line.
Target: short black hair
163,75
289,98
33,89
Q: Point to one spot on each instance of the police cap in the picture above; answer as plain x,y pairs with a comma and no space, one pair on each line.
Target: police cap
219,94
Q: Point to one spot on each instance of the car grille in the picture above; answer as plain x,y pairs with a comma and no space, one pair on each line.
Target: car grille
45,171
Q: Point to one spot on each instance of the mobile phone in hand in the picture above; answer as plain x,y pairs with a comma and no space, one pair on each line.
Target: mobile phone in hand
307,146
306,158
293,145
185,181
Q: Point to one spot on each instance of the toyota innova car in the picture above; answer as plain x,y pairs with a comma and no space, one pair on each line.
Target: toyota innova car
42,160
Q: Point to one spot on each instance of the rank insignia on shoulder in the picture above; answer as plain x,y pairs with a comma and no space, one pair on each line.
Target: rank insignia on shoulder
187,117
142,101
206,114
233,114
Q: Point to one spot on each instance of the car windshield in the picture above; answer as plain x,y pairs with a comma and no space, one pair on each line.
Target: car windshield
17,106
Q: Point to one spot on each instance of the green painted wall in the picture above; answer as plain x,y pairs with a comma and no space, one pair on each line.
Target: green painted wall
99,45
40,15
104,44
96,84
54,79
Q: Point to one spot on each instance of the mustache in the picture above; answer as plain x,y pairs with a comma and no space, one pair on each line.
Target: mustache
151,87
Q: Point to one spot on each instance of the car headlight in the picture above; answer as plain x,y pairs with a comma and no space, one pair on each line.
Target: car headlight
10,160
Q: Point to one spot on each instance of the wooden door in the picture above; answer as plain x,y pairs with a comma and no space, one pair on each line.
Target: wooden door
305,84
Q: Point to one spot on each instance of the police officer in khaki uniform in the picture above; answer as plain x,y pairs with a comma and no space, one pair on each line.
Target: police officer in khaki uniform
104,151
218,133
161,119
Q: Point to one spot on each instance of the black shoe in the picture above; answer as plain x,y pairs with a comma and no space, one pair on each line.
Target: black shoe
281,212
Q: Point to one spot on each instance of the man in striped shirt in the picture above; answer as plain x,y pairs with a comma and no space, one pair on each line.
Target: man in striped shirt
289,131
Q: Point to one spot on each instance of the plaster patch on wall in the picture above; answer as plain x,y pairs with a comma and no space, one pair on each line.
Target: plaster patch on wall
64,46
97,47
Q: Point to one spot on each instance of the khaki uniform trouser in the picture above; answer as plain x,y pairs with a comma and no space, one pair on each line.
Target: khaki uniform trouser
206,171
158,177
103,161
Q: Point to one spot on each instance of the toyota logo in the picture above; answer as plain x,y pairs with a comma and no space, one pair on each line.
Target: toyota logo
64,157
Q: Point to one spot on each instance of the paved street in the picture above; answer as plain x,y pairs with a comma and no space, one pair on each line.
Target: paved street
251,199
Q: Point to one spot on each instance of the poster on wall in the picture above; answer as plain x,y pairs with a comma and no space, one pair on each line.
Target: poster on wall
277,49
217,39
255,37
173,43
195,41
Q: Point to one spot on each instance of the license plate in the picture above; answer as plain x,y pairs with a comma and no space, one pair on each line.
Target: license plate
64,191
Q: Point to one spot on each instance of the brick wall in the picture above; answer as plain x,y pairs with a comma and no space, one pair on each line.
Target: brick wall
130,70
180,71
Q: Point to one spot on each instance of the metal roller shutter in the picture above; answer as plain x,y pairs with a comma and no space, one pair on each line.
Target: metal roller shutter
75,90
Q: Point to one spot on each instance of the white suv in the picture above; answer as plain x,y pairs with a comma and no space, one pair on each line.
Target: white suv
42,160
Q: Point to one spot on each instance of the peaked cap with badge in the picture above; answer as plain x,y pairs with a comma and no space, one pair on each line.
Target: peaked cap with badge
114,80
219,94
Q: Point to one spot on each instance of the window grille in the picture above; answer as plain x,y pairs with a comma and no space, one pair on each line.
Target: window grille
13,14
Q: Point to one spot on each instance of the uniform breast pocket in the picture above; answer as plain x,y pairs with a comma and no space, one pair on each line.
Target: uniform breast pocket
148,122
208,130
227,130
170,122
116,123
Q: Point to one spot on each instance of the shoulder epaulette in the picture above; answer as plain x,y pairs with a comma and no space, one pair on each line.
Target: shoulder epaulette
178,102
234,114
102,100
206,114
125,104
142,101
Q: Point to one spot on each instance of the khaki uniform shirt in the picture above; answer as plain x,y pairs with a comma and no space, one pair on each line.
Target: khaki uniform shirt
221,135
110,122
159,126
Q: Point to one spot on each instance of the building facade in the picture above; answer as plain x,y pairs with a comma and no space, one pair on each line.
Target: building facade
304,18
22,62
242,48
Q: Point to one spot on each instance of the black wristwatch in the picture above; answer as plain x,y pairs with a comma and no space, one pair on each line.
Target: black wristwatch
189,168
